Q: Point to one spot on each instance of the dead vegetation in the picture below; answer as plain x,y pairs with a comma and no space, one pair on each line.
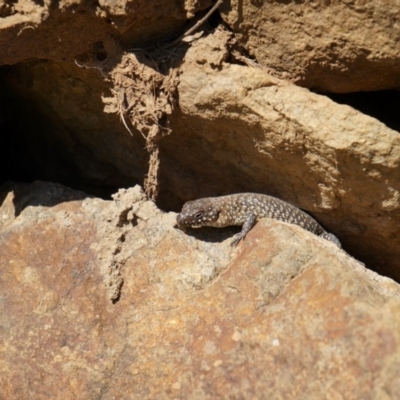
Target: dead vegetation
145,98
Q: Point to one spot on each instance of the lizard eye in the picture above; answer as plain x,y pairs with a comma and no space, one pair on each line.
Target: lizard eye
198,215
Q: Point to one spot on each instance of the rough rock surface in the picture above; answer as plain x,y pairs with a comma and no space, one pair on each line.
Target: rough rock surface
337,46
89,33
285,315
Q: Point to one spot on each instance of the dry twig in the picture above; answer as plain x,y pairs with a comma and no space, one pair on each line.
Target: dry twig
195,26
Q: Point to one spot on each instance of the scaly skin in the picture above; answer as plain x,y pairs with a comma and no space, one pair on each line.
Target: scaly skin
245,209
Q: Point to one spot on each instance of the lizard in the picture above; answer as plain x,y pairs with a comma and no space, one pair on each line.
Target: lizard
245,209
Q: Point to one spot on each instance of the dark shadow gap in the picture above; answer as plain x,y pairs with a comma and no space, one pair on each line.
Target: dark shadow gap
383,105
30,148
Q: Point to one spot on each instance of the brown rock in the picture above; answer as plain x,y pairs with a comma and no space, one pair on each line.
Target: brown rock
248,131
88,35
330,46
290,317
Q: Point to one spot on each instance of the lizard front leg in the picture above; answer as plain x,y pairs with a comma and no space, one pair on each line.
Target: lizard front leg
246,227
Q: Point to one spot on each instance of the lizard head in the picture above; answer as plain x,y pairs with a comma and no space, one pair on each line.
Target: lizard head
198,213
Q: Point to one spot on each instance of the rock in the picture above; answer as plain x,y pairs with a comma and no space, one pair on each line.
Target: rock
329,46
250,132
85,35
284,315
